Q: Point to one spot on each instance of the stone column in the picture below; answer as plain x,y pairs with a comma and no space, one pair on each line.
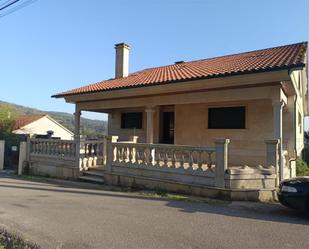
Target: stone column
150,127
22,156
221,161
109,123
272,156
277,119
277,132
77,115
109,153
2,143
28,149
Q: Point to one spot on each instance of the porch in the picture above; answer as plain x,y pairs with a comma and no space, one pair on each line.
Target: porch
180,115
248,116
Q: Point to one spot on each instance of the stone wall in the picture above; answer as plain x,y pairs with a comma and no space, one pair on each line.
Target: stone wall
247,146
52,167
189,189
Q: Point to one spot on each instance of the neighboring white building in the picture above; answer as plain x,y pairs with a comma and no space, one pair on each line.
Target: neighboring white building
41,125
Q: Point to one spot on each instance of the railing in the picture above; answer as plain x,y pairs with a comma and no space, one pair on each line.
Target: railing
188,158
92,153
202,165
65,149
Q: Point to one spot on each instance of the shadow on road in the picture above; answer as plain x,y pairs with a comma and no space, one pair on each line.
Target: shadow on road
248,210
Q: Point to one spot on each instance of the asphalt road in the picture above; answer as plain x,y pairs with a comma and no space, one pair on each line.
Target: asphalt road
64,215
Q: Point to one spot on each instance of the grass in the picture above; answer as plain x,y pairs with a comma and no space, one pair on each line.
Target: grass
185,198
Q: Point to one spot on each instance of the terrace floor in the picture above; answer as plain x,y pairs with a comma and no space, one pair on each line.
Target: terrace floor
63,214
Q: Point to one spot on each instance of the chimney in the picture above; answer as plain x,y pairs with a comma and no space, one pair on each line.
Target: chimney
122,60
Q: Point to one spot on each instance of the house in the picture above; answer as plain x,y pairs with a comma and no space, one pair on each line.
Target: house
42,126
233,122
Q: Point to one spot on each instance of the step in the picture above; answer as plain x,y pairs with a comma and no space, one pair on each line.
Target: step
97,167
94,172
91,178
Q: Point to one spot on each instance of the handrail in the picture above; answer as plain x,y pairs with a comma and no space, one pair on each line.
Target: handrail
168,146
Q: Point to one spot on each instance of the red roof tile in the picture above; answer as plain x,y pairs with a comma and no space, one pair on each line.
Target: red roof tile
270,59
22,121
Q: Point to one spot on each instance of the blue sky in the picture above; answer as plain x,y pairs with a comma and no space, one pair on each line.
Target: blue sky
52,46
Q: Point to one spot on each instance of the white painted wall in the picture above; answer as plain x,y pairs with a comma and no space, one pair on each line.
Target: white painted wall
299,80
44,124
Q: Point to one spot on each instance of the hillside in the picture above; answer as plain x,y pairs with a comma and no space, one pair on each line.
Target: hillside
88,126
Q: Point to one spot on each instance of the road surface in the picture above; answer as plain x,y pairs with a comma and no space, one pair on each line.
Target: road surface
71,216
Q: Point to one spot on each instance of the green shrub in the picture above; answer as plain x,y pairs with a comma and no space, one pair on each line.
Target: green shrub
302,168
11,241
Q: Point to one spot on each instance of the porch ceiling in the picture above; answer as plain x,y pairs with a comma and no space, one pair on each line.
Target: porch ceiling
232,82
271,91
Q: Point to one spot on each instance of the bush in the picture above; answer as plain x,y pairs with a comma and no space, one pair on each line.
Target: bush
10,241
302,168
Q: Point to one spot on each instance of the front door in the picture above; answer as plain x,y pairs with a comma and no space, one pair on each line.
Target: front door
168,128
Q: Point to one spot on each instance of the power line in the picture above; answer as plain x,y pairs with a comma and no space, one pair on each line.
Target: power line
9,4
20,6
5,2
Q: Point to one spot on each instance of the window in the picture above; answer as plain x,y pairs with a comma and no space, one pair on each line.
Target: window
131,120
227,117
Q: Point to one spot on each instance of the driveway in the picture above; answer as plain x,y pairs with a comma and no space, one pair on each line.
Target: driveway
69,215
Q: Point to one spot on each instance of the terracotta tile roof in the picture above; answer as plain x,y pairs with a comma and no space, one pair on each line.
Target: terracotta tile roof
270,59
22,121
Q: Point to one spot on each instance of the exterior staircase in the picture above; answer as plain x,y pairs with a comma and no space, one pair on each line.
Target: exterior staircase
93,174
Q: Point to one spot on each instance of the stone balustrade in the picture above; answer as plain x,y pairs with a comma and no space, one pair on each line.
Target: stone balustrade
200,165
92,153
190,164
165,156
65,149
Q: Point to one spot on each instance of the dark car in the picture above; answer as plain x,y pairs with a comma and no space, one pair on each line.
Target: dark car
294,193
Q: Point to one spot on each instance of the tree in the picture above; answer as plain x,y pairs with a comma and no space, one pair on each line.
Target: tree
7,119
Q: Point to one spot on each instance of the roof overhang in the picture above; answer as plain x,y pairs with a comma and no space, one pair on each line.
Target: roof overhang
232,82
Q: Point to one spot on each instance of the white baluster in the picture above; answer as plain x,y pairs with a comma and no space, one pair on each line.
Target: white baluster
199,160
181,159
191,160
173,159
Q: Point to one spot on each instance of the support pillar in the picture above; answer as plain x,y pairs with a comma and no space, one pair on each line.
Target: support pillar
77,115
221,161
272,156
150,126
109,123
109,153
277,119
277,132
22,156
